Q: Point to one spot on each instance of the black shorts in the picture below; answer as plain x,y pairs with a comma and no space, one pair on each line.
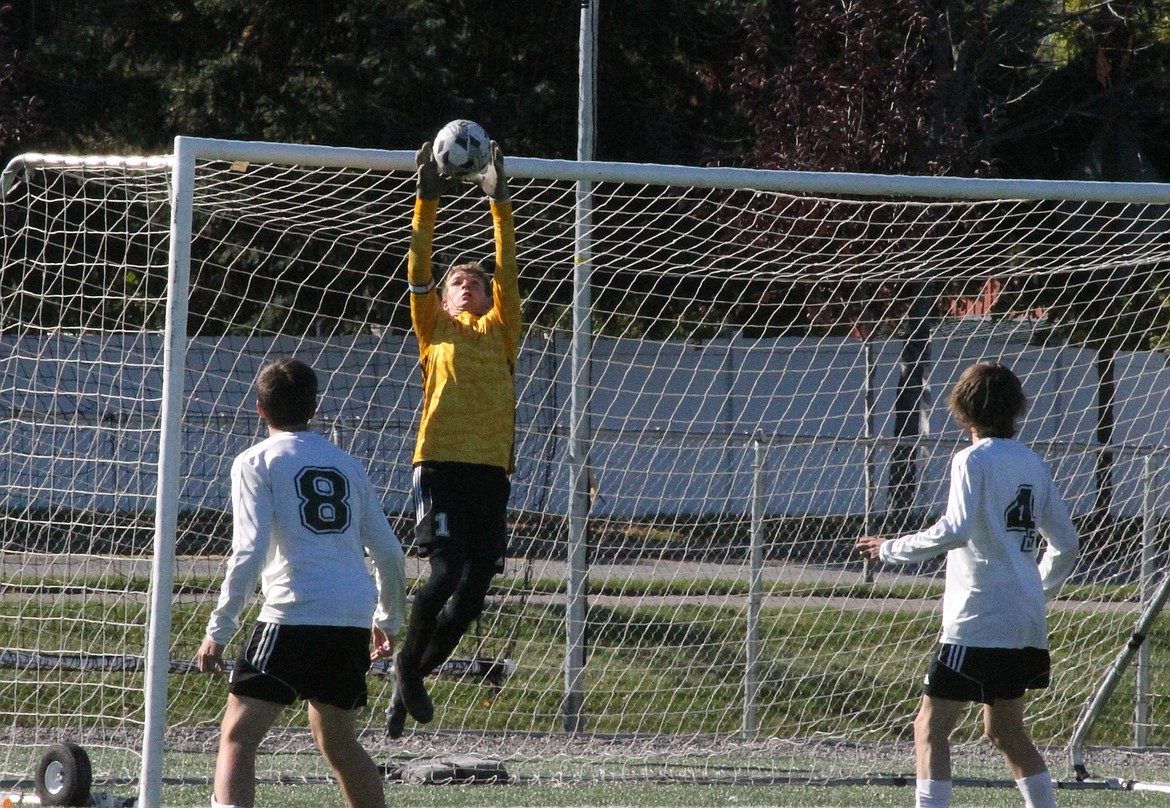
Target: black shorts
323,663
961,673
462,507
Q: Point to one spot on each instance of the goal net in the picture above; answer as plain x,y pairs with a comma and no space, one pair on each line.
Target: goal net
726,377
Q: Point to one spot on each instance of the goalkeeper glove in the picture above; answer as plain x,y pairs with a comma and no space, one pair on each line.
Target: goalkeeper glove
429,184
493,181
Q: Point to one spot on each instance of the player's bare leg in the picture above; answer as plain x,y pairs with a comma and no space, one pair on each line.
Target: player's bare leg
335,733
245,723
932,746
932,737
1004,723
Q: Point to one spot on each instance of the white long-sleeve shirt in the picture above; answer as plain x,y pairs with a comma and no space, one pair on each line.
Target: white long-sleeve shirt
1002,502
303,511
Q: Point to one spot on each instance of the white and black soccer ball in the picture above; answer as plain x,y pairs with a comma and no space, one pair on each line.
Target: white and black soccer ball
462,149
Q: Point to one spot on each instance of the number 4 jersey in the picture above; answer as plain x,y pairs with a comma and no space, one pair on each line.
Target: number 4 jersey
303,512
1002,503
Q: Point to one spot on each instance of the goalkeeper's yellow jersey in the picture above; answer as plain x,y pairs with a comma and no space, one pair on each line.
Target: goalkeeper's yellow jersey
468,362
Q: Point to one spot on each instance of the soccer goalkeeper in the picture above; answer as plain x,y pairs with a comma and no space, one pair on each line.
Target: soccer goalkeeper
468,333
994,642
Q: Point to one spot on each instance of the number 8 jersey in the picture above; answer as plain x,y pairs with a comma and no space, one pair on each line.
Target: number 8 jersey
304,512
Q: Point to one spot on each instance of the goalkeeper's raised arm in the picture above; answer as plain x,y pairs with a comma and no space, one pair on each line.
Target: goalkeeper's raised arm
468,329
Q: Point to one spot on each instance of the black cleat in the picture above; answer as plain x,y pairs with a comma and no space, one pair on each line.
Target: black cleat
412,692
396,716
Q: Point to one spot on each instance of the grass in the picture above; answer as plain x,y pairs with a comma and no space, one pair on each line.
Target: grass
1095,593
660,795
660,668
659,664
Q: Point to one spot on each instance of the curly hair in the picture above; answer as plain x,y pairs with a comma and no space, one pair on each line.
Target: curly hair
989,399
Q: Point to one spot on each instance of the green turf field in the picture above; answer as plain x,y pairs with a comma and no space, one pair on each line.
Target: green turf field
661,796
877,688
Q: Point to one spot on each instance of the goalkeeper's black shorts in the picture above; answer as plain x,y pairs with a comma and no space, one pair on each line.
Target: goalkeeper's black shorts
962,673
462,508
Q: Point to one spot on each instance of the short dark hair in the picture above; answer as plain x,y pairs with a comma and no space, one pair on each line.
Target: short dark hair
989,399
287,392
470,268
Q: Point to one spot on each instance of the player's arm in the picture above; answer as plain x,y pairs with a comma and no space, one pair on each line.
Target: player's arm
937,539
389,567
506,278
951,531
251,532
209,657
1061,543
390,580
390,577
424,298
870,547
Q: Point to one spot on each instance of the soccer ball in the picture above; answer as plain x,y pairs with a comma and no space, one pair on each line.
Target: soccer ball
462,149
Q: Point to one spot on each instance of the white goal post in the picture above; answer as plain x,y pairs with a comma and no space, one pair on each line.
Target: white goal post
750,366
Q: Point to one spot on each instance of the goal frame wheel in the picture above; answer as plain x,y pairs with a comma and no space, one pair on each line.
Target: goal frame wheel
64,775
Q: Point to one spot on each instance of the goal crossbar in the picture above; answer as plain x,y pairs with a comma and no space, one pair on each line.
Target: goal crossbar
765,359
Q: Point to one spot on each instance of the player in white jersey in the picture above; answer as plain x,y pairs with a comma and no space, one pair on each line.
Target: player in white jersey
304,515
994,640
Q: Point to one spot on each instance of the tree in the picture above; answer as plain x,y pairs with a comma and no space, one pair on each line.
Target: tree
857,87
19,110
846,87
661,92
971,88
129,76
1104,97
1113,88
